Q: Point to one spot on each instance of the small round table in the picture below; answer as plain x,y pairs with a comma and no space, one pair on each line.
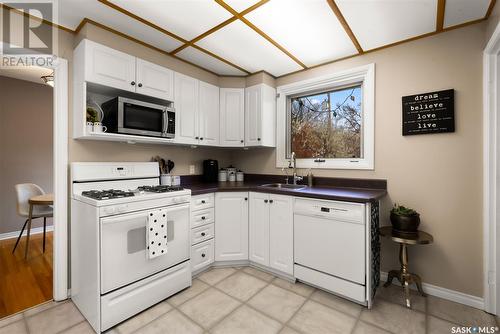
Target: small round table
46,199
403,275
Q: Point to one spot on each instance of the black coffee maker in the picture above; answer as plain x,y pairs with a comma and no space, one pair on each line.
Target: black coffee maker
210,170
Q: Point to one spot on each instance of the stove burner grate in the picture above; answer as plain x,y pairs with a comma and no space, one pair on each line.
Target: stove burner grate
107,194
159,189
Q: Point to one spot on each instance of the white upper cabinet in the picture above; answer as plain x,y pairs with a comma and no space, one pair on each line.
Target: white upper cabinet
260,116
258,229
154,80
231,226
108,67
186,109
232,120
112,68
209,114
281,233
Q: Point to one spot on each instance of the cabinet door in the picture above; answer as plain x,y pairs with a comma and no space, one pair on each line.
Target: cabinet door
258,228
109,67
209,114
281,233
232,120
253,115
231,226
186,109
154,80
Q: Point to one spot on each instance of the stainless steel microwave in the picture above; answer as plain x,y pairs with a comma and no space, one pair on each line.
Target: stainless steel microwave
129,116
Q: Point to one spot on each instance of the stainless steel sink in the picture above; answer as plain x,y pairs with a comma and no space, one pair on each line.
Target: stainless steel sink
284,186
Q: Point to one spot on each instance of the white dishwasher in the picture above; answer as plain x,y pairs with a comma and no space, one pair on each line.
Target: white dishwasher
330,246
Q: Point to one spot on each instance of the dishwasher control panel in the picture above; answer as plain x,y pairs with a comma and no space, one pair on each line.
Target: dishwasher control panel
346,211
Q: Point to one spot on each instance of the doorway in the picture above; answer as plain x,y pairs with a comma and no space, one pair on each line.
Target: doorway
26,171
58,235
491,172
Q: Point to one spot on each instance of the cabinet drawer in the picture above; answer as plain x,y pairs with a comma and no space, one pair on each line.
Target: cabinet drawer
123,303
353,212
202,233
202,217
204,201
202,255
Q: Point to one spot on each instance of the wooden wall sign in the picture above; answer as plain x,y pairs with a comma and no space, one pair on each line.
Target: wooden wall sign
429,113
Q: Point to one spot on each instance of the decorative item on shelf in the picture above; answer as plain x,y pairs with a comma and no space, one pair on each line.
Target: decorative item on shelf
99,128
404,219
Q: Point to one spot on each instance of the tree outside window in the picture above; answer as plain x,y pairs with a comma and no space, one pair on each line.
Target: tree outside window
327,124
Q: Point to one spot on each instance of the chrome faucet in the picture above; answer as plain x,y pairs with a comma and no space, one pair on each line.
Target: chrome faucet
295,176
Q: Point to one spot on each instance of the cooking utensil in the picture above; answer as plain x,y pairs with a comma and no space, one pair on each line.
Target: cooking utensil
170,165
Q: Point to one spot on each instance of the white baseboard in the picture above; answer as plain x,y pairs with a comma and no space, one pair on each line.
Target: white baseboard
437,291
35,230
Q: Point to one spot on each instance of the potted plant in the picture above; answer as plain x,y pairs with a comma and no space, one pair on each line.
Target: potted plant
404,219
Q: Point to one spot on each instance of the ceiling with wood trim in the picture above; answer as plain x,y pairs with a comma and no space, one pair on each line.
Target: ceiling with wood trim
240,37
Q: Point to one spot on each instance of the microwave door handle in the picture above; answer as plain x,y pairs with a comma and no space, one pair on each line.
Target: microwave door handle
165,123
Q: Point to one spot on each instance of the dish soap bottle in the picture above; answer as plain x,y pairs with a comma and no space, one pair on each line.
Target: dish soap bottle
309,178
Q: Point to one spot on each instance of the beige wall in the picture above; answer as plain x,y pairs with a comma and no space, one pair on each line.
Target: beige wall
25,144
440,174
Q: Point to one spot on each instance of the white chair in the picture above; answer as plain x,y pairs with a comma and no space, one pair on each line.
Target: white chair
24,192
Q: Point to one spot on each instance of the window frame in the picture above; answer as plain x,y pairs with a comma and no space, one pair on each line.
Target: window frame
363,75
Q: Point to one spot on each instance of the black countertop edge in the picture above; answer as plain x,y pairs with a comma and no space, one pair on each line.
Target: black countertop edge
349,194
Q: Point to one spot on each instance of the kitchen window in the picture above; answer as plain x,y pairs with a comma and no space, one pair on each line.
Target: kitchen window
328,122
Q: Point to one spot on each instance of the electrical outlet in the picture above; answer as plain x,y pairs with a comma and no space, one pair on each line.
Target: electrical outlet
191,169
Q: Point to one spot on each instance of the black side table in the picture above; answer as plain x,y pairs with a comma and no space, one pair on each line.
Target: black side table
403,275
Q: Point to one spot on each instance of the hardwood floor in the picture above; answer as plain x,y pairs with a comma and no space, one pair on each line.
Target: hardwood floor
25,283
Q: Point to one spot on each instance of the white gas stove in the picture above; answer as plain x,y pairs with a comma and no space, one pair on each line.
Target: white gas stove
129,240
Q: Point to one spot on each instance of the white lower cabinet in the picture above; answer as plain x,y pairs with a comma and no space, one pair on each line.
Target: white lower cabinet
281,233
258,229
271,231
231,226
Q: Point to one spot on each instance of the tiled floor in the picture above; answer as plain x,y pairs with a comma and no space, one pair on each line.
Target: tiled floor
246,300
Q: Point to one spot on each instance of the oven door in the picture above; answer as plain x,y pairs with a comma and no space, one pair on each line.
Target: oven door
141,118
123,246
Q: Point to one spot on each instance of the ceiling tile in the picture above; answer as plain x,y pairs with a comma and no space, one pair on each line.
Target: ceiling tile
461,11
242,46
185,18
309,30
71,12
240,5
380,22
210,63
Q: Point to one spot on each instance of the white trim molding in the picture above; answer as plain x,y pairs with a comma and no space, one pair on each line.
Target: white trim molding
437,291
364,75
60,177
35,230
491,175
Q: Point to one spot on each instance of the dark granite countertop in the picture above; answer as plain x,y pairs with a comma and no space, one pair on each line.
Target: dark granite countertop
350,194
